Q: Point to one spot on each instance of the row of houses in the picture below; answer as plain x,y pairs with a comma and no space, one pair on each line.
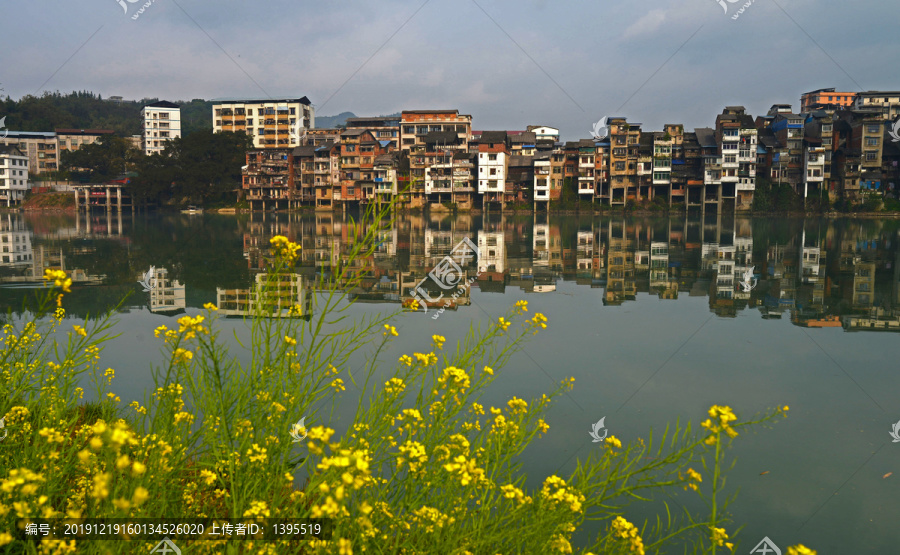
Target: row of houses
832,149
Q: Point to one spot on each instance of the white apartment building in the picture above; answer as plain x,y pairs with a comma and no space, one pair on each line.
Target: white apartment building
544,132
162,123
13,175
492,165
542,178
272,123
813,170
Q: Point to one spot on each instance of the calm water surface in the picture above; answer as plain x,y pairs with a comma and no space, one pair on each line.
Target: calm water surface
648,315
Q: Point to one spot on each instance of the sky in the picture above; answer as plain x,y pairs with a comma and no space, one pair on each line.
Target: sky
507,63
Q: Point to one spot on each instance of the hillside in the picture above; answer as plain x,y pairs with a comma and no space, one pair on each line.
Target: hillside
85,110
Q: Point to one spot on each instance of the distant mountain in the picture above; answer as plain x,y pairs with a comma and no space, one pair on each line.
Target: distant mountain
327,122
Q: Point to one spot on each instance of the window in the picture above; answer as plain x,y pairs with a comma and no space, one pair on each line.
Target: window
493,171
872,141
871,156
873,128
492,156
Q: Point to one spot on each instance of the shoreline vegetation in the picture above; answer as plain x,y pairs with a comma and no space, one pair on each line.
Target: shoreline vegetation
423,467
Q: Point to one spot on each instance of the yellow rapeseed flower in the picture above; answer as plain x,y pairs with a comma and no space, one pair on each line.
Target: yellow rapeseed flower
80,331
503,323
210,306
438,341
800,549
390,330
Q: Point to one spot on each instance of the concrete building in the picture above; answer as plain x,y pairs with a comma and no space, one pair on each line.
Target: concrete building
493,162
13,175
382,128
270,123
162,123
886,103
544,132
826,99
41,149
416,124
73,139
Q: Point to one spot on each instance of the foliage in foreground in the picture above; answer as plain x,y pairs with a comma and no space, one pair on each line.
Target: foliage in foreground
423,468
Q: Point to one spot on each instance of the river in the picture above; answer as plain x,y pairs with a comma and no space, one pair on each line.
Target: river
657,318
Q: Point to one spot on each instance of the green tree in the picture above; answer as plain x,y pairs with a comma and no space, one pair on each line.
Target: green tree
106,159
200,167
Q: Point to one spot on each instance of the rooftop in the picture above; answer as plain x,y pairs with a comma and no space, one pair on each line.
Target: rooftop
232,100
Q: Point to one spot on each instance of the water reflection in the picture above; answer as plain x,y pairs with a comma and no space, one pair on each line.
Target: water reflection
818,273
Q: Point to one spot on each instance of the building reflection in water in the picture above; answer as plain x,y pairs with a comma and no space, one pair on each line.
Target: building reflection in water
273,295
814,272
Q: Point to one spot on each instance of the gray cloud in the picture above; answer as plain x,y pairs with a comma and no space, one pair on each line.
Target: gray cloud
450,54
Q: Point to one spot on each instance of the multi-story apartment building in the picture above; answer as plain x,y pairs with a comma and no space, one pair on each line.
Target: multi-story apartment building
542,180
736,136
813,171
860,142
667,153
383,128
493,162
13,175
162,123
822,99
267,179
886,103
359,148
271,123
624,139
73,139
788,129
587,166
416,124
41,149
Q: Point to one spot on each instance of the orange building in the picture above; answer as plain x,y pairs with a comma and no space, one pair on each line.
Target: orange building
825,97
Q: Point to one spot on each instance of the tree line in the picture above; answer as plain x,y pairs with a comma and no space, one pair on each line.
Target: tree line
199,168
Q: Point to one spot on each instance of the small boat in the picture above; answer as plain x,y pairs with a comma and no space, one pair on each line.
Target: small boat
192,210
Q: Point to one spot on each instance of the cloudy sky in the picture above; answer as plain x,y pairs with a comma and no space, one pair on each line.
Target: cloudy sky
507,63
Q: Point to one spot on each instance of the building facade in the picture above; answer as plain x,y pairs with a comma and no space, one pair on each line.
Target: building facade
162,123
272,123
